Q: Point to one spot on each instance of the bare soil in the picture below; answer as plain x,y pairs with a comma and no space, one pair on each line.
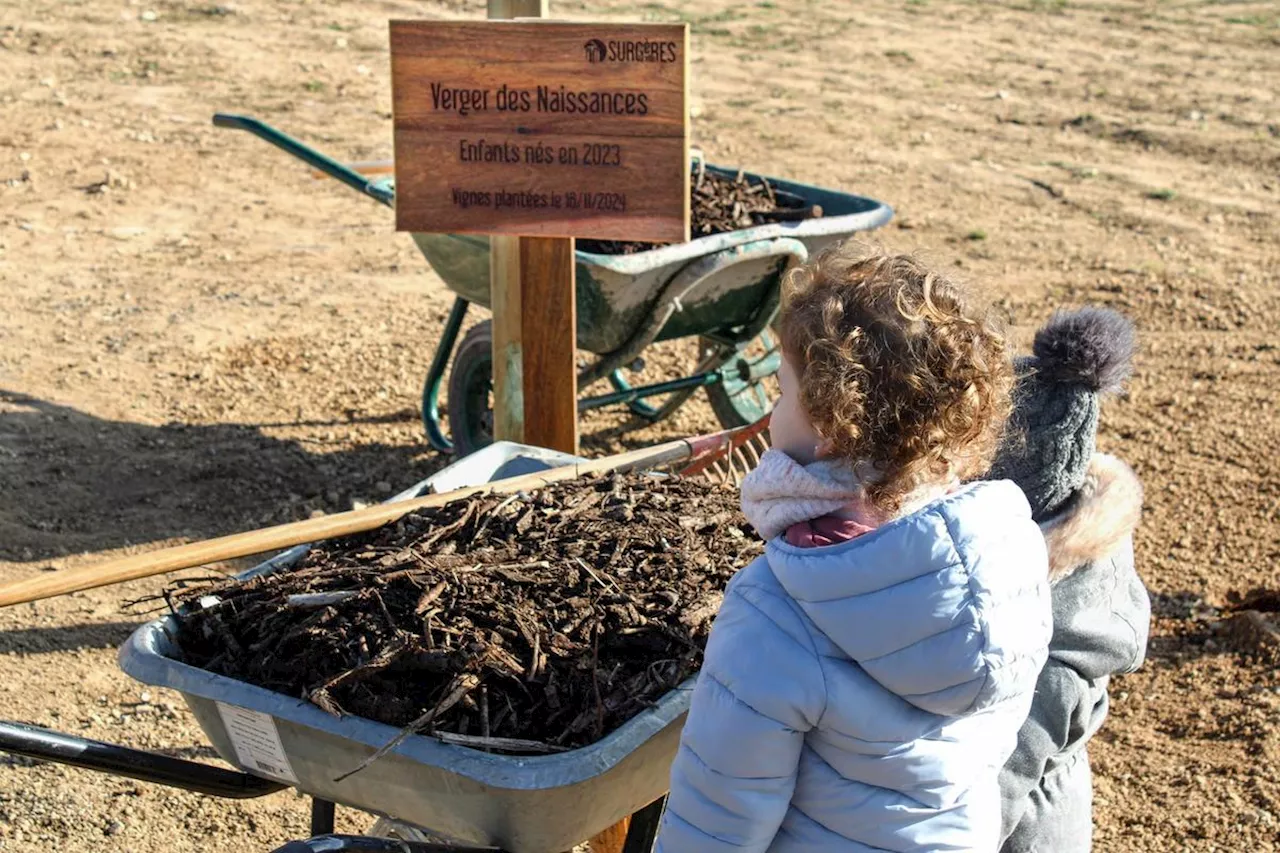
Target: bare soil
196,337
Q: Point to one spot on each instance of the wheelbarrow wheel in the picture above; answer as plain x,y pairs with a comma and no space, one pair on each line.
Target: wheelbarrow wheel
744,396
471,390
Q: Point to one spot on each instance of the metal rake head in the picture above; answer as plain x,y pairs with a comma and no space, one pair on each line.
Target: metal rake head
727,457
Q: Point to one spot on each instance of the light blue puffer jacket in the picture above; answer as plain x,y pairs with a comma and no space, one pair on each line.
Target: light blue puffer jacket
864,696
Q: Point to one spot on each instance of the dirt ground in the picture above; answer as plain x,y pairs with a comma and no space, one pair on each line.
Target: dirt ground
196,337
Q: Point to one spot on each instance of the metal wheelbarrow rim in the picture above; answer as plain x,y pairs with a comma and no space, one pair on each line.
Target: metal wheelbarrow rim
145,658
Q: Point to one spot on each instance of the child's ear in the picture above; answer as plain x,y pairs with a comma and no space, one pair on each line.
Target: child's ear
825,448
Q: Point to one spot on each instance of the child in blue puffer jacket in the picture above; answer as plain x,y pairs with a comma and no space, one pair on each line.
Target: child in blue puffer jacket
865,679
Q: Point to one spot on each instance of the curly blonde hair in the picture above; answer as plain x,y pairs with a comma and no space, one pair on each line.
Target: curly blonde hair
897,366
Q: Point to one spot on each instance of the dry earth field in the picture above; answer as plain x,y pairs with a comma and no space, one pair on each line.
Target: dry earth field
196,337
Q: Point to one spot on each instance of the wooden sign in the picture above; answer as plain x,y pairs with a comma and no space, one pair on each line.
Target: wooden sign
541,128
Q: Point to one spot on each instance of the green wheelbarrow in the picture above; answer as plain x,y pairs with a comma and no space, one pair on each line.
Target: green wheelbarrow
723,289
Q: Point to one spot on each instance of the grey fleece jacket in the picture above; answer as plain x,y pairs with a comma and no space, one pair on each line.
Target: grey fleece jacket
1101,615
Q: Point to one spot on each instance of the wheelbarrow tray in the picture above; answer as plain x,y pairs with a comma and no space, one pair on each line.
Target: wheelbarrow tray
616,292
538,804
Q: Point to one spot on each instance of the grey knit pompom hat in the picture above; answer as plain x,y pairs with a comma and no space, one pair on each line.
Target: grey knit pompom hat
1052,434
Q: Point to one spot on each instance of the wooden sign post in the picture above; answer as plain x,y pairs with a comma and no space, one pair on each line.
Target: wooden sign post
537,132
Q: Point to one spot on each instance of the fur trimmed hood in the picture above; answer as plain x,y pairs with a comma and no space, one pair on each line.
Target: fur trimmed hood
1101,516
1101,624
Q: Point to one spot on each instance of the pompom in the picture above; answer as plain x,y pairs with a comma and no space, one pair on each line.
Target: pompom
1092,346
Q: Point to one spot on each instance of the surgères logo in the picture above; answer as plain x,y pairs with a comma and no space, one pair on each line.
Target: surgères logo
642,50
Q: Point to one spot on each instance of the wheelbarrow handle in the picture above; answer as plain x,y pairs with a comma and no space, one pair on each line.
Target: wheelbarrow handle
62,748
361,183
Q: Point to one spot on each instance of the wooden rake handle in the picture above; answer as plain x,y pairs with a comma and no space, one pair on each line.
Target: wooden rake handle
284,536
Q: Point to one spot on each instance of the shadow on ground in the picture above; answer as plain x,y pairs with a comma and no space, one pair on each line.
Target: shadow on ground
63,638
72,482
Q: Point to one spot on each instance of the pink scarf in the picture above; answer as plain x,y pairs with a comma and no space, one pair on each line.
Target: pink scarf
781,493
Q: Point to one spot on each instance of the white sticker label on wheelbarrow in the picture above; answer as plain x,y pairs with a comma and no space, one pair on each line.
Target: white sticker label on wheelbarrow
256,742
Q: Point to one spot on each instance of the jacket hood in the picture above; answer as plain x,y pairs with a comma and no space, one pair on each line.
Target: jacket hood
1101,516
944,607
1101,610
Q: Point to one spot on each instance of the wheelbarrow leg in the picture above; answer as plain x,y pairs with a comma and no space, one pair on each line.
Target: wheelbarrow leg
322,816
634,834
643,831
431,388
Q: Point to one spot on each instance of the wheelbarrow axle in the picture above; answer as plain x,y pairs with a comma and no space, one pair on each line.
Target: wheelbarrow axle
744,370
630,395
369,844
642,831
